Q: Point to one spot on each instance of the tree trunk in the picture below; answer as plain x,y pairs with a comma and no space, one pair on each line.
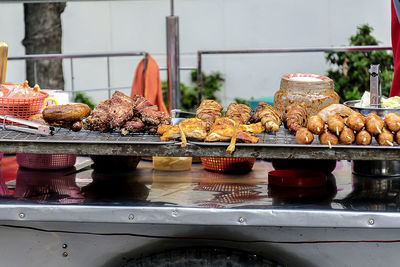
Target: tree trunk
43,35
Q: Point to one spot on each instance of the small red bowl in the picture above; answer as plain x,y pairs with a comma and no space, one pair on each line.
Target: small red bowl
297,178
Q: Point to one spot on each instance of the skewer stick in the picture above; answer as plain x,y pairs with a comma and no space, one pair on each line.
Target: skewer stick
365,139
388,142
379,130
337,131
307,139
398,124
318,129
330,145
231,147
183,136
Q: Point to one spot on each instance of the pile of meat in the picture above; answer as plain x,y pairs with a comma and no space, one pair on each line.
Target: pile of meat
130,115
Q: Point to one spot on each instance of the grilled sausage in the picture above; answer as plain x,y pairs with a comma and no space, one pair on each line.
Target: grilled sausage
374,124
316,125
356,121
328,138
67,113
363,138
335,124
392,122
304,136
347,136
385,138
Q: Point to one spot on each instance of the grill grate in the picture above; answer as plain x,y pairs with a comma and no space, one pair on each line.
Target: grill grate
83,136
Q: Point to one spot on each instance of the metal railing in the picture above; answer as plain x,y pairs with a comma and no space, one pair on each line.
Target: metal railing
276,51
71,58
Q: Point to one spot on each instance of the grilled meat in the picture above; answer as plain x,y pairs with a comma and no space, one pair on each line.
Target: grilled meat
154,117
132,126
208,111
98,119
194,129
240,113
254,128
120,110
268,116
295,117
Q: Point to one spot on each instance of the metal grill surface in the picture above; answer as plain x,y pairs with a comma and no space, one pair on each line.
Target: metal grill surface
83,136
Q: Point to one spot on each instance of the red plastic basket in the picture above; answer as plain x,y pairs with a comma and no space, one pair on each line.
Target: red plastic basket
22,107
239,165
46,161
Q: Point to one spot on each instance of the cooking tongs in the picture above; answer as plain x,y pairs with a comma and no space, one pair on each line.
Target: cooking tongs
33,127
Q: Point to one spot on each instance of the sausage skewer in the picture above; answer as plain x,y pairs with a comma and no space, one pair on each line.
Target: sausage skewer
374,124
304,136
363,138
328,138
385,138
335,124
316,125
347,136
392,122
356,121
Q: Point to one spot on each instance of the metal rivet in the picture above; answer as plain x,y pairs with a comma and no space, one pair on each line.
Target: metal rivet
64,246
21,215
131,216
65,254
242,220
371,221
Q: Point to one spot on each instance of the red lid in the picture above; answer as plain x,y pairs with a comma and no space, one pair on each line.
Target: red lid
297,178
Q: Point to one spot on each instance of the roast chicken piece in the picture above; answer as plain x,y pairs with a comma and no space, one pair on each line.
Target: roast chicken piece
208,111
120,110
194,129
240,113
268,116
254,128
98,119
223,130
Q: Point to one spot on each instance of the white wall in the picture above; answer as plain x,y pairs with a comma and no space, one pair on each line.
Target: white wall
204,24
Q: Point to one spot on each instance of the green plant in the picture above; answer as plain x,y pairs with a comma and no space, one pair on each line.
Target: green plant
350,70
239,100
189,94
83,98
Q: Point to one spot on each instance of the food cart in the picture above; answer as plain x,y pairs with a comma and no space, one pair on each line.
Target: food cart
85,217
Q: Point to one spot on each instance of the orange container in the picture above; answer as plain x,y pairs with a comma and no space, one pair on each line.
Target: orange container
22,107
238,165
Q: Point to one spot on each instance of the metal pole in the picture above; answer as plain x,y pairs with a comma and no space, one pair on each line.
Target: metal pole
174,94
108,77
199,78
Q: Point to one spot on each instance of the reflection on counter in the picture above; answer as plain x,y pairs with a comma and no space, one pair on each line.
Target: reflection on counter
371,194
51,187
122,187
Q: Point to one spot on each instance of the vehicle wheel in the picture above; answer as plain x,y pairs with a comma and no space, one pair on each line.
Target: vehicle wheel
201,257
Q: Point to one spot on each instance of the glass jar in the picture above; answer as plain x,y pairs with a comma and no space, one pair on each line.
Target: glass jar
315,91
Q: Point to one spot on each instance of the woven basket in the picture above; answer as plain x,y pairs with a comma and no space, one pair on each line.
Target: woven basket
22,107
237,165
46,161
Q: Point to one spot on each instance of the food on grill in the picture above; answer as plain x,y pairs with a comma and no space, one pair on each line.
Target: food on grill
232,144
194,129
75,126
347,136
328,138
374,124
398,137
98,119
363,138
223,130
131,115
120,110
356,121
392,121
335,124
335,109
316,125
208,111
19,90
268,116
304,136
386,138
254,128
295,117
240,113
66,113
